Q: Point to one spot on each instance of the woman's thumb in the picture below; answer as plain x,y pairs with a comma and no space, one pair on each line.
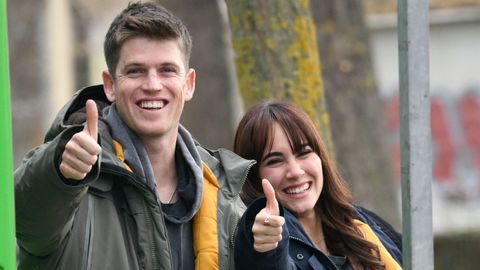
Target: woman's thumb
272,204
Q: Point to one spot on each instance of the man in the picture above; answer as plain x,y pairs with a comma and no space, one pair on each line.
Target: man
133,190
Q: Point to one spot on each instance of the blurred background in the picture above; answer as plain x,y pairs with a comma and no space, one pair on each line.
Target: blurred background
56,47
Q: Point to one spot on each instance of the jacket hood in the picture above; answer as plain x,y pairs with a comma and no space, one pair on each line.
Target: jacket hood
73,112
224,161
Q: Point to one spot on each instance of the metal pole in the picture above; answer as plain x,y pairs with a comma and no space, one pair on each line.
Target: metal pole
415,134
7,213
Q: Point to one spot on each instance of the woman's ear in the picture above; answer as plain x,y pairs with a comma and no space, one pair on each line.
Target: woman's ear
108,85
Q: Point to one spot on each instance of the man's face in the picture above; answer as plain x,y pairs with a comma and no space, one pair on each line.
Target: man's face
150,86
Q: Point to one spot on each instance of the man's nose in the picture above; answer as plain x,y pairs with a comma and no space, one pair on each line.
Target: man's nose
152,82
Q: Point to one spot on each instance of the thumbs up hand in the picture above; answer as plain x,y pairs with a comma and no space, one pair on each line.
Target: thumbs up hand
82,151
267,229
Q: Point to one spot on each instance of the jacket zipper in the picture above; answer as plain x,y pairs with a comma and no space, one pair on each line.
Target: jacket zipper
148,216
89,234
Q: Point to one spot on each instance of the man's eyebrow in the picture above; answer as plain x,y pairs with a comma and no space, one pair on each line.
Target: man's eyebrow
132,64
169,63
271,154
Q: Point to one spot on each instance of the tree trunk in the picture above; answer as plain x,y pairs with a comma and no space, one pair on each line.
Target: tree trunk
355,106
209,115
277,55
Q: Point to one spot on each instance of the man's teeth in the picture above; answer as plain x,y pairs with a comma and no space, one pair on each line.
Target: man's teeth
151,104
298,190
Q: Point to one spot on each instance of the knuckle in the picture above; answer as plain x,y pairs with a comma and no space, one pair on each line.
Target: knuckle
68,158
70,146
67,171
65,158
63,168
93,159
77,136
94,149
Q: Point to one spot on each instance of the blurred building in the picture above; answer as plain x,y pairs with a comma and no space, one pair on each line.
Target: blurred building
455,96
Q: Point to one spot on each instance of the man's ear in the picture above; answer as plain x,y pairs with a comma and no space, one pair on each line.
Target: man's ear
190,84
108,85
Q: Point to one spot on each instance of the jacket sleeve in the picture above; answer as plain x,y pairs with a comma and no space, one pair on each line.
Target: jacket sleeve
45,202
246,257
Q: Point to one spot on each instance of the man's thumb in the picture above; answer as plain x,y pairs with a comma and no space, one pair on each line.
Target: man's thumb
272,204
91,127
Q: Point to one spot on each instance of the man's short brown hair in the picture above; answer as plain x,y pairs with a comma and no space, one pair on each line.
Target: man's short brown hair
148,19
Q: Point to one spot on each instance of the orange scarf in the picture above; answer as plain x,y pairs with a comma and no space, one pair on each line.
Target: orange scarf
385,257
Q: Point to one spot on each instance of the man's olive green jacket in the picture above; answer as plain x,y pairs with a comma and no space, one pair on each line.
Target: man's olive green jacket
111,220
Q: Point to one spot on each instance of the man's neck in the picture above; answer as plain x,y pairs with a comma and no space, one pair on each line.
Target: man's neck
161,152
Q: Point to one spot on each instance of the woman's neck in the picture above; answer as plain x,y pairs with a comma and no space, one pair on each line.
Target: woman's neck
313,226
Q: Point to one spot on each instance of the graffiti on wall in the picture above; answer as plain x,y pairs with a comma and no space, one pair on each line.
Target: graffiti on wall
455,126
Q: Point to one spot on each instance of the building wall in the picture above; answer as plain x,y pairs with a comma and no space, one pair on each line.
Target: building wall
455,95
454,44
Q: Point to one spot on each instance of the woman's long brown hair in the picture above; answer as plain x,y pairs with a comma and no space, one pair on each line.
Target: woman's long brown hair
254,137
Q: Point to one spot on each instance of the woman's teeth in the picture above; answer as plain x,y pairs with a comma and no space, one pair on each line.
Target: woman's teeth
298,190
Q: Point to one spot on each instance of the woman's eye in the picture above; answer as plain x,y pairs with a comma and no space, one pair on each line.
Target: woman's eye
305,151
272,161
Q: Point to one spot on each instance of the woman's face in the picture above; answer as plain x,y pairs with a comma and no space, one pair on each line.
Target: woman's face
296,177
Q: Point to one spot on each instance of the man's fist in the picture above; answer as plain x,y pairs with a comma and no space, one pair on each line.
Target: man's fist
82,151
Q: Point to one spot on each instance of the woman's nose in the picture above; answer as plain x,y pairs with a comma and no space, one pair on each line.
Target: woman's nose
294,169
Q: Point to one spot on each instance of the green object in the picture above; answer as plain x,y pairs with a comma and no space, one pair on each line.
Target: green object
7,209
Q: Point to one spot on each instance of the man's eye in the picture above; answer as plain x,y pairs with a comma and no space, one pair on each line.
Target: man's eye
168,69
134,72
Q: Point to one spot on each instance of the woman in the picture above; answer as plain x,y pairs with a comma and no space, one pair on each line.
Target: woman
307,220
